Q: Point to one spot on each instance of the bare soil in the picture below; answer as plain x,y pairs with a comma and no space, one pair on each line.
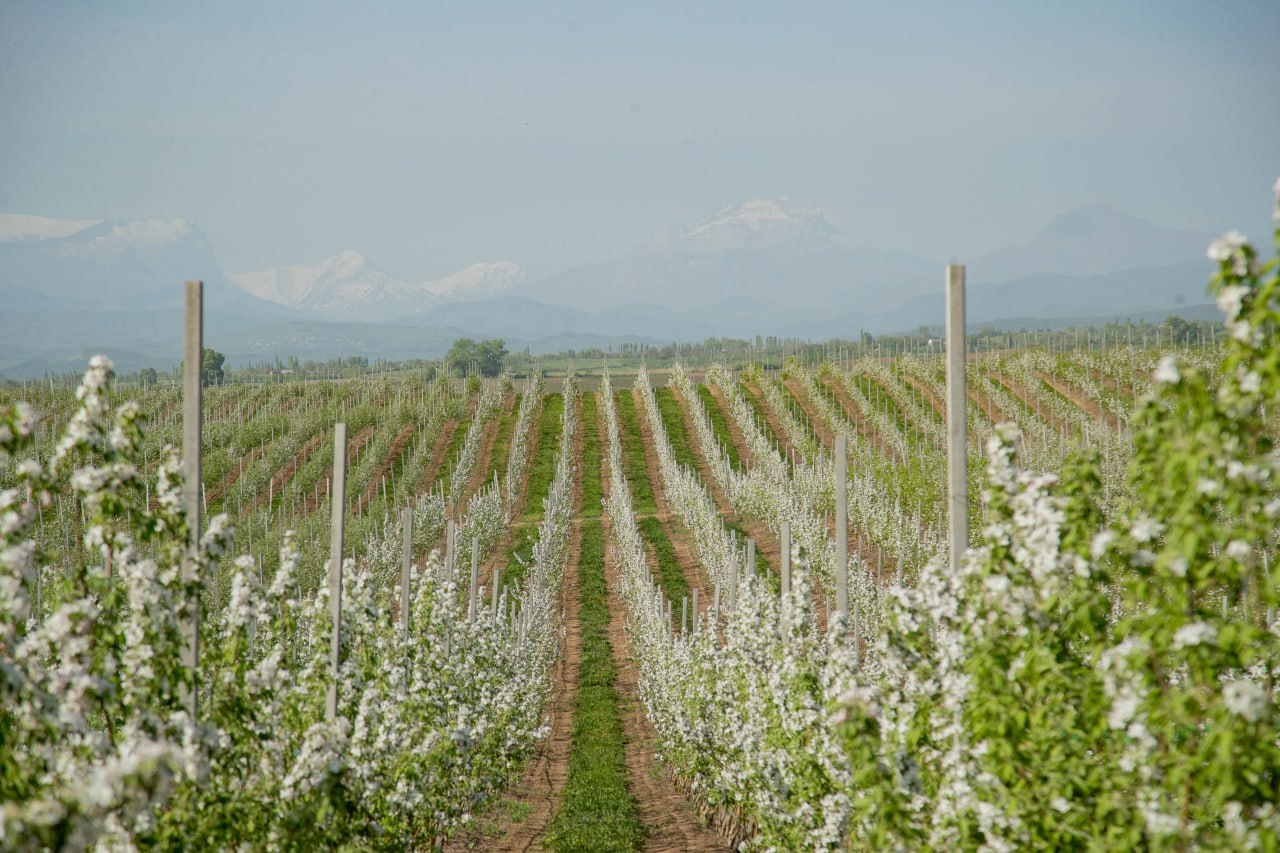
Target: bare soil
859,419
669,815
1026,395
518,822
1077,397
394,452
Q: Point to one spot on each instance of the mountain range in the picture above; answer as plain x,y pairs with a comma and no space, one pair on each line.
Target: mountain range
765,266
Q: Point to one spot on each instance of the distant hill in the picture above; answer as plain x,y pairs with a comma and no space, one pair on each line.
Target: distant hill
1091,240
72,287
348,287
773,252
116,265
1045,297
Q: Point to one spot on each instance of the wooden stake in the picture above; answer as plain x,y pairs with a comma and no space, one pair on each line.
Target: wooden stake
336,526
842,525
475,579
406,596
192,414
957,438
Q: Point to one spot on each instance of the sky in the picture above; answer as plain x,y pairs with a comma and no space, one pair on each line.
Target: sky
433,135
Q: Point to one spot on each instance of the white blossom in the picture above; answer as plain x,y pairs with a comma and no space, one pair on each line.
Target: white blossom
1231,298
1238,550
1167,370
1194,634
1145,529
1245,699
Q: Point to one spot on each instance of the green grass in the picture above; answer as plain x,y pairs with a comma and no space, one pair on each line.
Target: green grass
633,459
451,455
670,576
592,493
677,429
598,812
763,567
878,395
502,444
719,424
542,468
756,406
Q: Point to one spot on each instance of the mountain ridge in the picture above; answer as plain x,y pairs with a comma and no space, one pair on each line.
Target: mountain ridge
764,266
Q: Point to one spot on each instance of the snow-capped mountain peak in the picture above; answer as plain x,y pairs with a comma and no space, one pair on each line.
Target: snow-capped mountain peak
482,280
763,223
15,227
138,233
347,285
342,284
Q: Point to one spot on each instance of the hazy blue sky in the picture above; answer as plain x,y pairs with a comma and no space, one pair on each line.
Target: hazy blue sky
432,135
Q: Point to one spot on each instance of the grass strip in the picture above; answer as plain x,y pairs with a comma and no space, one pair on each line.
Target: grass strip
670,576
542,468
592,494
719,425
677,431
451,455
762,420
762,562
598,812
502,444
633,460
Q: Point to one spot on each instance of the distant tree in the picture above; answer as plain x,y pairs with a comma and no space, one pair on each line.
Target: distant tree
148,376
211,370
486,356
1179,329
490,355
461,355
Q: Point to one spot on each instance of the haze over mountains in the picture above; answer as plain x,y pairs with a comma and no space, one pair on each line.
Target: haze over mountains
766,266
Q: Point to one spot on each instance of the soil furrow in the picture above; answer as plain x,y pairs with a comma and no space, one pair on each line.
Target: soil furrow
858,418
522,817
680,536
785,447
1086,404
1033,401
820,426
230,478
431,472
669,814
394,452
766,543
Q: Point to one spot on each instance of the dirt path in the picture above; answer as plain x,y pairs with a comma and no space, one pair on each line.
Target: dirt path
669,815
431,472
1032,400
681,537
858,418
519,821
785,448
1087,404
827,438
820,427
485,454
290,467
735,432
232,477
478,474
503,548
766,543
980,401
394,452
